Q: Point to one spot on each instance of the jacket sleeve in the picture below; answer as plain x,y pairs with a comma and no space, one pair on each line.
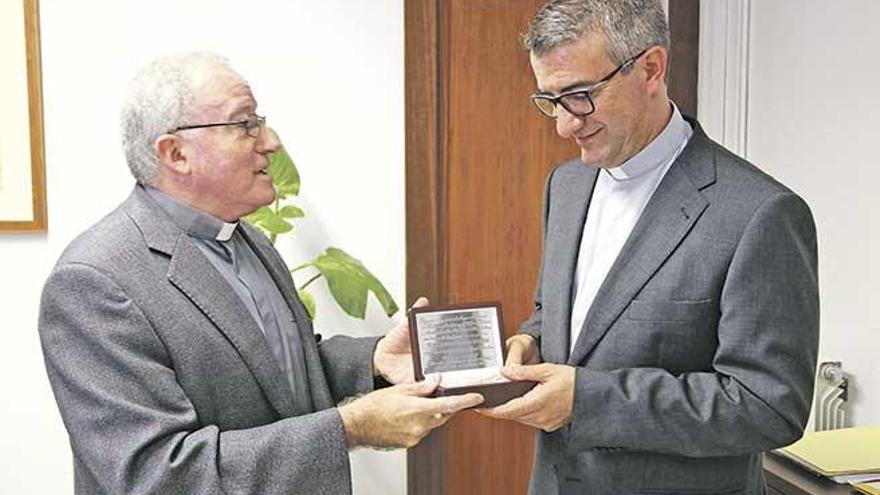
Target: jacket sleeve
532,325
132,428
348,365
757,395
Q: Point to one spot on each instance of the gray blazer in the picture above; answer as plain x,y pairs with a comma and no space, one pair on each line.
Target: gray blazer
164,380
700,348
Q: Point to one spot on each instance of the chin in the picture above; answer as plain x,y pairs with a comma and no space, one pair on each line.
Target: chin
601,156
267,196
256,203
593,159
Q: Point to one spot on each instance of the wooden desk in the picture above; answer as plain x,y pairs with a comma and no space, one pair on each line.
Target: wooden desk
786,478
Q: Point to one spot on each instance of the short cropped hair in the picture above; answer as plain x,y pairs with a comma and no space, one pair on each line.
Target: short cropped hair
629,26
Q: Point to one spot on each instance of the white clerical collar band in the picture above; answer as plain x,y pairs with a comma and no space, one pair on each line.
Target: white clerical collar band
658,152
226,231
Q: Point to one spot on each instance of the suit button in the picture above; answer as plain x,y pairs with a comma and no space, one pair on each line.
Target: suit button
555,469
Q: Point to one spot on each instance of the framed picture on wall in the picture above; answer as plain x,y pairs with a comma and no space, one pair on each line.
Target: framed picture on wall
22,170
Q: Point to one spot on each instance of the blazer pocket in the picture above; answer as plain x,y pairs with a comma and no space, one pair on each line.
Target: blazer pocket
640,310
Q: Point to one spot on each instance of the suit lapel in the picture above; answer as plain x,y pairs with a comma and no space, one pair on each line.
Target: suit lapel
669,215
191,273
574,191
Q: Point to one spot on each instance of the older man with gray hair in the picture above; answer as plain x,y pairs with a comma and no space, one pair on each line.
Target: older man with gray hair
675,323
180,356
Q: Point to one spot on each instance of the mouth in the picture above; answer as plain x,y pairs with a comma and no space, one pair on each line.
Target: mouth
584,138
262,171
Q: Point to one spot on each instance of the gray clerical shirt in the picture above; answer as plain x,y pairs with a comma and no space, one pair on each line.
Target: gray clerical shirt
229,251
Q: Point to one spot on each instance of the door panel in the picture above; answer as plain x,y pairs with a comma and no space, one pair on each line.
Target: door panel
499,151
475,180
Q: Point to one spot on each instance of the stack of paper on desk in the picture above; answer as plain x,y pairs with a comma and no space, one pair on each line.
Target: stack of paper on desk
872,488
847,455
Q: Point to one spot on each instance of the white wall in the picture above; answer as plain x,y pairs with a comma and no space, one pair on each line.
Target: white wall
808,110
329,76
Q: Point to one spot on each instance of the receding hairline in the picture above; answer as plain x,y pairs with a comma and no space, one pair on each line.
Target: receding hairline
207,93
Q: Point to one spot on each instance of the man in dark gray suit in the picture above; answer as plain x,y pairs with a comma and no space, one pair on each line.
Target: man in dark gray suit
676,313
180,357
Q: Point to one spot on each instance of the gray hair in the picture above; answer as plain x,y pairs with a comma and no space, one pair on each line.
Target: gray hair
160,97
629,26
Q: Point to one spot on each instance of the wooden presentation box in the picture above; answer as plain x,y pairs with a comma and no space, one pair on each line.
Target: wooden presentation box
464,344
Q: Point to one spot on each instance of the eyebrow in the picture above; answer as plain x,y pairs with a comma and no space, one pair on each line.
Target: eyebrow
570,87
245,110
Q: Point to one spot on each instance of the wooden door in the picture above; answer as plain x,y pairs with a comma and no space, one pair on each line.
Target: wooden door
477,156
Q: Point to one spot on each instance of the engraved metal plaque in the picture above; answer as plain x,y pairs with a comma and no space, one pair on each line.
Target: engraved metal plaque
463,344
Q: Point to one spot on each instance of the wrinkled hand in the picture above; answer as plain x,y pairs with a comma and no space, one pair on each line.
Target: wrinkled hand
548,406
393,357
522,349
400,416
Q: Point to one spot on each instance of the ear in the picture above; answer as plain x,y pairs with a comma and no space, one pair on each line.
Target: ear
655,62
170,150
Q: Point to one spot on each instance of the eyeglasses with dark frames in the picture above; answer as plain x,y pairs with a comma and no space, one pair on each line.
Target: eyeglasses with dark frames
579,101
251,125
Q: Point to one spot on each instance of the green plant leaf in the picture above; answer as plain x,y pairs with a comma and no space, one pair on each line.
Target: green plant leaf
350,283
258,218
291,211
308,301
284,173
274,224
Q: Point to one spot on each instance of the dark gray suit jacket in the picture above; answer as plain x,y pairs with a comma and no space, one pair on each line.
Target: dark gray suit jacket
166,384
699,350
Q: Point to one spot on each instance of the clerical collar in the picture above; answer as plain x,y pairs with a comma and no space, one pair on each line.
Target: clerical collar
192,221
658,152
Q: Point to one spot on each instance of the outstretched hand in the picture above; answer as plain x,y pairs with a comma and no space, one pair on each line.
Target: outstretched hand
548,406
400,416
393,357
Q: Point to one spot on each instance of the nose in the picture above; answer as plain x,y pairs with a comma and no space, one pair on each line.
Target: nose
566,123
267,141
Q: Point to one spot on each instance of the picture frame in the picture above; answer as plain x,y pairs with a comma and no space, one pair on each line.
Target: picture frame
22,165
